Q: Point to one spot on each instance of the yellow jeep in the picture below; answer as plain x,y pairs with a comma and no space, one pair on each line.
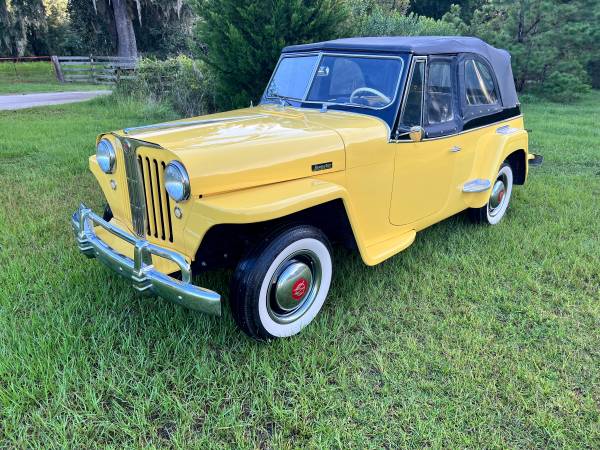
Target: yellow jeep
362,142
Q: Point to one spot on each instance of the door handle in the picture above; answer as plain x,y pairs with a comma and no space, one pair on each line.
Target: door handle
455,149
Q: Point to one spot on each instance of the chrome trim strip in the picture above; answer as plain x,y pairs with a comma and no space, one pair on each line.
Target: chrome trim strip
400,112
395,141
506,130
312,76
477,185
164,125
139,270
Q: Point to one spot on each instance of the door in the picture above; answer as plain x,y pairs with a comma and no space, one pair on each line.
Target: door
424,171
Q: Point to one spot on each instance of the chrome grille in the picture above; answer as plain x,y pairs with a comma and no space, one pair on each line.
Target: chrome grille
158,206
136,189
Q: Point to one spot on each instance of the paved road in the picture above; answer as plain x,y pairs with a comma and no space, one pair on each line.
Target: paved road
20,101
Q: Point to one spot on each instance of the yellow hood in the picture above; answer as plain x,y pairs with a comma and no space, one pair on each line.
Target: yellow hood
251,147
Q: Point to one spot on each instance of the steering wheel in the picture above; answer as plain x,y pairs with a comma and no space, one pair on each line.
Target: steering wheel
381,95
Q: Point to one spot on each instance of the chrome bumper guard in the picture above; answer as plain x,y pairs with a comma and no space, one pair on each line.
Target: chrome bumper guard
140,271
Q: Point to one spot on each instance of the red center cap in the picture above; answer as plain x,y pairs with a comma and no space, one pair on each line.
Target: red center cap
500,196
299,288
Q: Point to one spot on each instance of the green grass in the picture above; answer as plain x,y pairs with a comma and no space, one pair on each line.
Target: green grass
472,337
29,77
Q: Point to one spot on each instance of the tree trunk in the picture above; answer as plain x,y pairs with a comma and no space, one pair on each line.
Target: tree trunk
125,35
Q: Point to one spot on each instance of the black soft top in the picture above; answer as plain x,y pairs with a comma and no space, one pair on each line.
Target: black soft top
422,46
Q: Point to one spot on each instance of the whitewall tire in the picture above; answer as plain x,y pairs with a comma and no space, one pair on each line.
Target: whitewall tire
281,285
501,191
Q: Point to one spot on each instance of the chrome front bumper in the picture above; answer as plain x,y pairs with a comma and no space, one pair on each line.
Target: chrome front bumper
139,270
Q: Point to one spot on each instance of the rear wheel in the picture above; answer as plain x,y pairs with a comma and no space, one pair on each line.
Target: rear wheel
281,285
495,209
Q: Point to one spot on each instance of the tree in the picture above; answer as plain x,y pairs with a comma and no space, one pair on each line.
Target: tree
437,8
126,43
243,38
552,42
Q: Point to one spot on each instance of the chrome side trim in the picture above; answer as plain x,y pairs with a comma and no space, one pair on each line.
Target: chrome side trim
139,270
506,129
395,141
400,113
477,185
160,126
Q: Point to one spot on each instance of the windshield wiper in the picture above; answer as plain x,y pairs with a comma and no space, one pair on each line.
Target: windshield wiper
281,98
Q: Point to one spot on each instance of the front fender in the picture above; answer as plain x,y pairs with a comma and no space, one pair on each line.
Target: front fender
260,204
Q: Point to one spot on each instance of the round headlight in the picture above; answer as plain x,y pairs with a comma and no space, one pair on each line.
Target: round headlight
177,182
106,156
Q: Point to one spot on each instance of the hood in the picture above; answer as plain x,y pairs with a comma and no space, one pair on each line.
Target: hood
247,147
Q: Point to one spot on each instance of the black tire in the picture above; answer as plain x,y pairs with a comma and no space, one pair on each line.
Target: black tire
260,278
494,210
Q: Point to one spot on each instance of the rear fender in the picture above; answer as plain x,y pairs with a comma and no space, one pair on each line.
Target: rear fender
493,150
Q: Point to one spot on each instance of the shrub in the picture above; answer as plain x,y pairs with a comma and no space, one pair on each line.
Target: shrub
370,19
243,39
182,82
565,86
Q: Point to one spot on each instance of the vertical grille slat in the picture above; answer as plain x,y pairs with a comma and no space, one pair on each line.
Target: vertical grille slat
135,187
141,169
164,198
158,210
149,197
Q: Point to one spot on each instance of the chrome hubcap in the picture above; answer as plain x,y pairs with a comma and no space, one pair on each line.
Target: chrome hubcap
294,287
498,196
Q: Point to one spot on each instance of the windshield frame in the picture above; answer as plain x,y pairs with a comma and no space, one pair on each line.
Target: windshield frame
320,56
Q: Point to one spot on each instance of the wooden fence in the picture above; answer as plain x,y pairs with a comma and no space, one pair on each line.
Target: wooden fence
93,69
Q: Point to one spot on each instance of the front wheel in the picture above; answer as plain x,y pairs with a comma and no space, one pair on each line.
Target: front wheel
495,209
281,285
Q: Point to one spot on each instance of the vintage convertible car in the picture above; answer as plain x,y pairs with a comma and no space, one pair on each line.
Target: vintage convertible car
362,142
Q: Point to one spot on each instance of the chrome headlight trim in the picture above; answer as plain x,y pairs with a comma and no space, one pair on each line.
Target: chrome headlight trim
106,156
177,181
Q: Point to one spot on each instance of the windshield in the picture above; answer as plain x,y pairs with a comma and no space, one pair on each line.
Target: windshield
362,81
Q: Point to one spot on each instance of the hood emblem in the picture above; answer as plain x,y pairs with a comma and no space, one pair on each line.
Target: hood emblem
322,166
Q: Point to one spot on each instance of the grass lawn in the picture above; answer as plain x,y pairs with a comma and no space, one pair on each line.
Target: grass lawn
29,77
472,337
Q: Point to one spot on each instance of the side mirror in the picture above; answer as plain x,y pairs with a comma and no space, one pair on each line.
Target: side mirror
416,133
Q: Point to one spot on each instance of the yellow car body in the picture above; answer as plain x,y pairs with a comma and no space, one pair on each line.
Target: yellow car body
255,164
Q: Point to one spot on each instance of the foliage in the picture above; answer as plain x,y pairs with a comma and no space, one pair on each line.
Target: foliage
181,82
244,38
471,338
437,8
369,18
93,26
23,26
162,28
5,29
165,29
551,41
